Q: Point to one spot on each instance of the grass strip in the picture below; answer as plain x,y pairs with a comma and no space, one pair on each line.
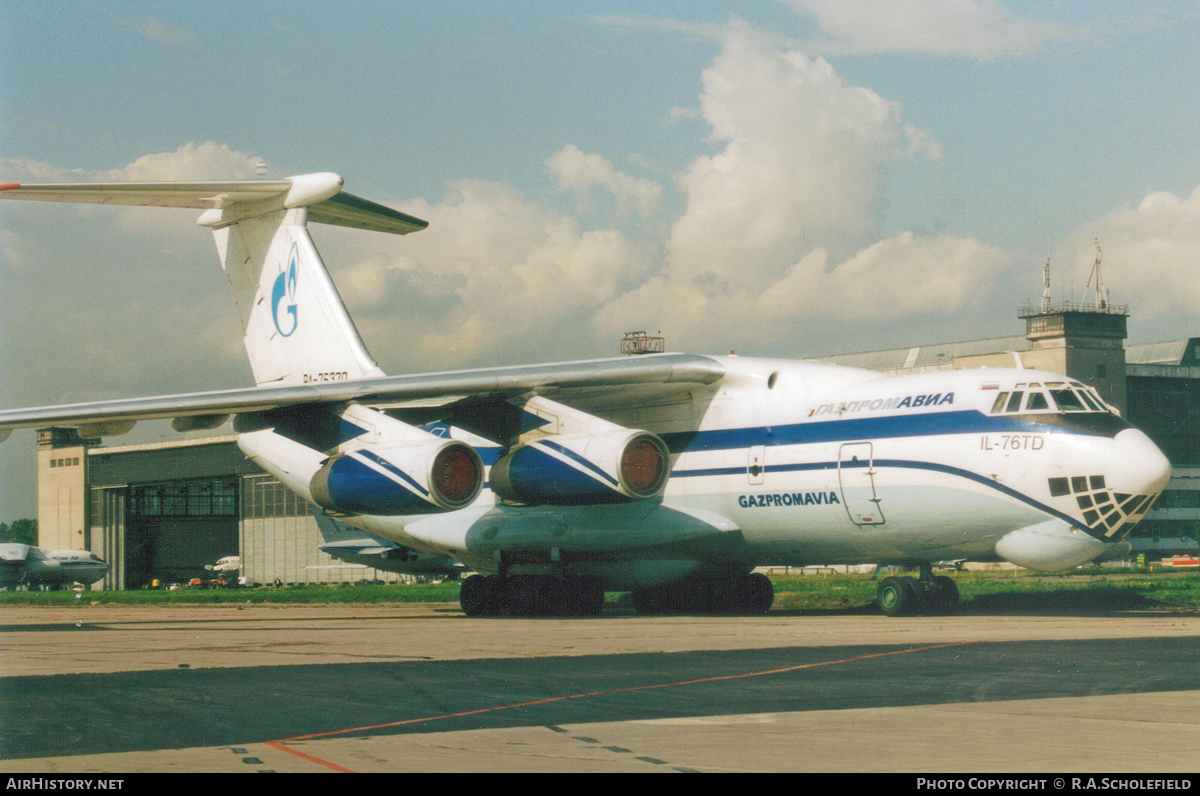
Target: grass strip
999,592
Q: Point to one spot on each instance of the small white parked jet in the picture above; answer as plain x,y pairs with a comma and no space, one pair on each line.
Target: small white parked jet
225,565
670,475
26,565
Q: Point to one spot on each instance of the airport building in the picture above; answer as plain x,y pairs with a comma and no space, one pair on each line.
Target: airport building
162,511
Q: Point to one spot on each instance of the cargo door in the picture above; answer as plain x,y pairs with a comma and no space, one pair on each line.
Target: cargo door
856,476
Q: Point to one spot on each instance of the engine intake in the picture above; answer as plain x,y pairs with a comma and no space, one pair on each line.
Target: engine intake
425,478
581,469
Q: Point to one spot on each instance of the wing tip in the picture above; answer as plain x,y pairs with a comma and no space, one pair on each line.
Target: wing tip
11,186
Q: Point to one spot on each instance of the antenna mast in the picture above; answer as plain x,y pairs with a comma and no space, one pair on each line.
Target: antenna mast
1101,290
1046,291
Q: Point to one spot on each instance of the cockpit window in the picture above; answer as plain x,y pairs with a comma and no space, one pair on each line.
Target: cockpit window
1061,397
1068,401
1037,401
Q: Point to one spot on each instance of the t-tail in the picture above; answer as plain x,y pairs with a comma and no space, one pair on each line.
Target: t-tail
297,329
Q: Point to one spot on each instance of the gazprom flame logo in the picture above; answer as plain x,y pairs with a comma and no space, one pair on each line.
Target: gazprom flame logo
285,286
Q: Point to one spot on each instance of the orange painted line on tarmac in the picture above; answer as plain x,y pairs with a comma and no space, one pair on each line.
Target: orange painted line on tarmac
280,744
309,758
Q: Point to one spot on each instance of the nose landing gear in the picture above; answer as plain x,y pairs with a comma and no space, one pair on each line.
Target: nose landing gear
899,596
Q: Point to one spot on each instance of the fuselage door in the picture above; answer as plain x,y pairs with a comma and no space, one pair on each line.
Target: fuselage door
856,476
756,465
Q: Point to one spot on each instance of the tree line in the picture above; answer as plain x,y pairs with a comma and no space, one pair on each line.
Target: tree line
23,531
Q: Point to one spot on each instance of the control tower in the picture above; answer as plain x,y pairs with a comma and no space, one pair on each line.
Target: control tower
1083,340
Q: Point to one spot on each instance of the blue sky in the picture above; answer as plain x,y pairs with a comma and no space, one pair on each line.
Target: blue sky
789,178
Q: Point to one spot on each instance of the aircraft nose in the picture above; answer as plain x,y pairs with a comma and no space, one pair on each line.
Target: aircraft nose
1136,465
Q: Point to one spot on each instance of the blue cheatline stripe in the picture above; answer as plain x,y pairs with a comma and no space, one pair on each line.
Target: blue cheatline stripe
575,457
903,464
915,425
394,470
982,479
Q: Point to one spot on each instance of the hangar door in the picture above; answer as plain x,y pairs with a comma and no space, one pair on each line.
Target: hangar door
173,529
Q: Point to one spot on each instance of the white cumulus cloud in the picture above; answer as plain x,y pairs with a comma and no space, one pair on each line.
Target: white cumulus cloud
496,276
160,32
904,277
580,172
802,162
780,231
980,29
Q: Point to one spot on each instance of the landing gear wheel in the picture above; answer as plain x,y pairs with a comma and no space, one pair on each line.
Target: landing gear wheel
918,598
483,596
472,596
650,602
529,595
756,594
642,602
582,597
898,596
944,597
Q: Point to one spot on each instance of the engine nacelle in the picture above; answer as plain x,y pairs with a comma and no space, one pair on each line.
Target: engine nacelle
580,469
426,477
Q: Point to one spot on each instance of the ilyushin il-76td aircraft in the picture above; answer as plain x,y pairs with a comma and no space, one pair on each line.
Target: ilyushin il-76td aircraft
672,475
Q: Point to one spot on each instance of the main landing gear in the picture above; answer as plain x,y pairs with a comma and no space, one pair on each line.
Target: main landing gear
708,594
898,596
530,595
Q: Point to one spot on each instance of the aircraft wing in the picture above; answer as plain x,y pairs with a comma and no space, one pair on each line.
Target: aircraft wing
657,375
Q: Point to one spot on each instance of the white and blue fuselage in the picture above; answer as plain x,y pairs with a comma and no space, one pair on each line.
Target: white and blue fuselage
793,463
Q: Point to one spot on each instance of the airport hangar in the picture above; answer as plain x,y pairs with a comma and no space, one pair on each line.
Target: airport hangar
162,511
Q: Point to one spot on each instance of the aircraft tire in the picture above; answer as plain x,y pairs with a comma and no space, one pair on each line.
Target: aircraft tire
945,595
919,599
897,596
583,597
648,602
527,596
756,594
474,596
705,595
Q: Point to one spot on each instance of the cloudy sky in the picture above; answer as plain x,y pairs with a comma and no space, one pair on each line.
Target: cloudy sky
777,177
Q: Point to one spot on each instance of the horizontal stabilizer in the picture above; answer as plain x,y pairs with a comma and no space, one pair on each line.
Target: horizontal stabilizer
321,193
198,195
348,210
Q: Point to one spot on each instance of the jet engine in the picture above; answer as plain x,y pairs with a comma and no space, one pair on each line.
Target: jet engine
613,466
426,477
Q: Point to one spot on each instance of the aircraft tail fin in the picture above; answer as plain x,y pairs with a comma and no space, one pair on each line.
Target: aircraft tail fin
297,329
